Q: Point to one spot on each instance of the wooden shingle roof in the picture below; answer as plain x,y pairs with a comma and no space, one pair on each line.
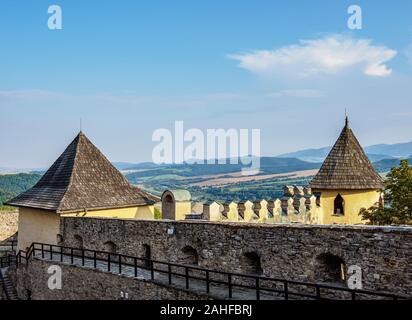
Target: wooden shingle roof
82,178
347,166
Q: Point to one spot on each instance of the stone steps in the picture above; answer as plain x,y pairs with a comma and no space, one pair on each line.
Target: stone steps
7,286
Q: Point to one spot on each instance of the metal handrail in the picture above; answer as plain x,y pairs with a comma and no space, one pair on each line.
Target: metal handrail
227,279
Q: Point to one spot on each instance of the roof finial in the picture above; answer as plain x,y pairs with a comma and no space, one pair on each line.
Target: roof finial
80,125
346,119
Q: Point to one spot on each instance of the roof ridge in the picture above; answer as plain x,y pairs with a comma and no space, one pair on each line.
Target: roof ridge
71,176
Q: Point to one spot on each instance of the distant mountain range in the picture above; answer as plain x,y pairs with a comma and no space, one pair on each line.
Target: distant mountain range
375,152
383,157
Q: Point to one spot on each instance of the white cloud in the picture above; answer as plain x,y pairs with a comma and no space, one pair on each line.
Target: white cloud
327,55
304,93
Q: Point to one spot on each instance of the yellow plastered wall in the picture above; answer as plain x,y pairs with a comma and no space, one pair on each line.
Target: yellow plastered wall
37,226
141,212
354,200
182,208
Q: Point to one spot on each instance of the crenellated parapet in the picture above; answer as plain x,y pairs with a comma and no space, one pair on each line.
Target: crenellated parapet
297,205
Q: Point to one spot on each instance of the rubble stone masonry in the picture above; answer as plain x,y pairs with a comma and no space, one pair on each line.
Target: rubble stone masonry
79,283
8,224
287,251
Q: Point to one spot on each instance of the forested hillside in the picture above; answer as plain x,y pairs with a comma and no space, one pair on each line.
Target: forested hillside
13,184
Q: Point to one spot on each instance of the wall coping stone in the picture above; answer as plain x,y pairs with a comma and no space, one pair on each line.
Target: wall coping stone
247,225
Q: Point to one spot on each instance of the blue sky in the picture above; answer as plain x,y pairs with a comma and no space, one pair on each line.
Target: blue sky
127,68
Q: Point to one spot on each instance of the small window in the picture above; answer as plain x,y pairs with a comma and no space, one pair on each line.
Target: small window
190,256
250,263
110,246
339,205
330,268
59,239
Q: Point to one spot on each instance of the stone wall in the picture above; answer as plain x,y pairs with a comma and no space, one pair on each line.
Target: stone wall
8,224
288,251
87,284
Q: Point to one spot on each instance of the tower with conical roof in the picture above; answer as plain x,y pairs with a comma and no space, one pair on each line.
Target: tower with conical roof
346,182
81,182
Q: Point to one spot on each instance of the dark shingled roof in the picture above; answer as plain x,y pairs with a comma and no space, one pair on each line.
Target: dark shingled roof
82,178
347,166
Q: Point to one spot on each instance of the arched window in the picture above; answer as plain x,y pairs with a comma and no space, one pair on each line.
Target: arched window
250,263
168,207
330,268
190,256
339,205
110,246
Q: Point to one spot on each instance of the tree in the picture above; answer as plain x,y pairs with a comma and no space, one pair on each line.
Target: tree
398,199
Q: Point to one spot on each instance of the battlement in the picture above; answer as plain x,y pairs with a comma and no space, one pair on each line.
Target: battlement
297,205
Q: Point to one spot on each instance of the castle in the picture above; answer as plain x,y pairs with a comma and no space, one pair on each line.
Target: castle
84,216
83,183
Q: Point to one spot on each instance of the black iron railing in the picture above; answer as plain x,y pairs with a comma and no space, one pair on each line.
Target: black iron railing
259,285
8,245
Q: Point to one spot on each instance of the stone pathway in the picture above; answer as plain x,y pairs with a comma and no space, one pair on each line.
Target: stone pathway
218,291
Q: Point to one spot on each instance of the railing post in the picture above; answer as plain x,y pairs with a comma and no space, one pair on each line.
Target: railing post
120,264
229,282
61,254
82,257
135,267
51,252
95,259
317,292
207,282
285,288
257,289
187,277
151,270
169,272
108,262
42,251
71,256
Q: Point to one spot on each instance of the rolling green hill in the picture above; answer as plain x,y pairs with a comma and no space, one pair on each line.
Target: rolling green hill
13,184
